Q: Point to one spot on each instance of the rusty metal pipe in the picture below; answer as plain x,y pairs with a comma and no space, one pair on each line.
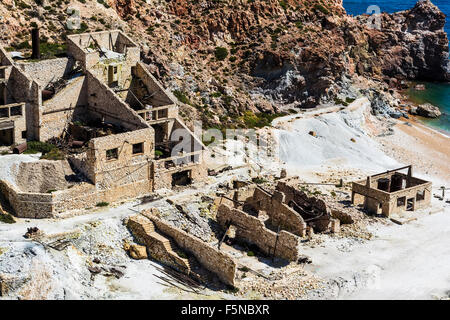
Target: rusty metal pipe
20,148
77,144
36,45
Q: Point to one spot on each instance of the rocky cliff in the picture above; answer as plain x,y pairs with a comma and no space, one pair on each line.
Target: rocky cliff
228,59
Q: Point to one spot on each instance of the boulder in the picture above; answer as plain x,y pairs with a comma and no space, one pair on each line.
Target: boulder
420,87
413,111
429,111
137,252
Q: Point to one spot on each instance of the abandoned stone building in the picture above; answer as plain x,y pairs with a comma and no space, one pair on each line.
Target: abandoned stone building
392,192
275,222
100,100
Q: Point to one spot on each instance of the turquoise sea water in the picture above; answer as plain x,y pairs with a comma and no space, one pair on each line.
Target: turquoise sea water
437,94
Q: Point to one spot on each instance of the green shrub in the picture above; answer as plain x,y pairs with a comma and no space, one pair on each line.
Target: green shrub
259,180
102,204
54,154
259,120
7,218
244,269
181,254
221,53
181,96
38,146
321,8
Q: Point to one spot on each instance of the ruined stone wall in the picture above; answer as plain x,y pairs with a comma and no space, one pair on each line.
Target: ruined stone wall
160,97
80,163
279,213
128,167
253,230
46,71
83,196
210,257
58,112
18,122
374,198
408,194
196,143
78,47
291,193
124,43
243,194
163,177
101,69
27,205
5,60
104,38
104,103
87,59
24,89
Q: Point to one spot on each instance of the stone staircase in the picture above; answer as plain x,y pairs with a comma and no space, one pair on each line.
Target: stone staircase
156,242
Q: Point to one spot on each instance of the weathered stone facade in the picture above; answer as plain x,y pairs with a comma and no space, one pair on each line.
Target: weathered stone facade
158,246
313,210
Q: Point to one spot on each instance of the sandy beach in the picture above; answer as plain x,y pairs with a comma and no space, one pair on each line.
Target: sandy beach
426,148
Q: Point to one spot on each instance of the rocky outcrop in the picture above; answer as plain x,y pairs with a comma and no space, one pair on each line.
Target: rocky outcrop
428,110
124,7
411,44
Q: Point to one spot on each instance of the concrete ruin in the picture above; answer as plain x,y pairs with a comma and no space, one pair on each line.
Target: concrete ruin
103,100
392,192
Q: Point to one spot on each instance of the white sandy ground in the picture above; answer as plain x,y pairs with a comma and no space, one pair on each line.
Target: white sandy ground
408,262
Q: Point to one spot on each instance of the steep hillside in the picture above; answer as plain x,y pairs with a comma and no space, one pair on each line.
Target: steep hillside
228,59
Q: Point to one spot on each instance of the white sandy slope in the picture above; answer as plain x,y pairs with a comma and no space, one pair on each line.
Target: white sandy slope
333,142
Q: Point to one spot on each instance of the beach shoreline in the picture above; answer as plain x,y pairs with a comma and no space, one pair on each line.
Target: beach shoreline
424,147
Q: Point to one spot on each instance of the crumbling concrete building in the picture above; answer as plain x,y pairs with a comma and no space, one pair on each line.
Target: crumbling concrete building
392,192
100,99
